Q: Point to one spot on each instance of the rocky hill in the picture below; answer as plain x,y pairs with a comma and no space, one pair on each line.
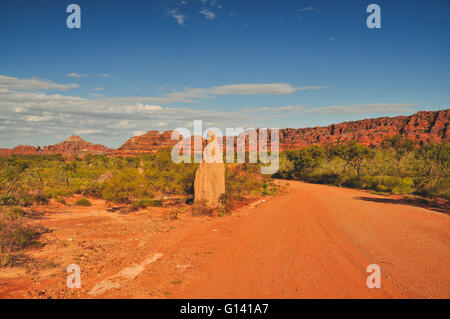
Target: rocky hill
424,127
74,145
146,143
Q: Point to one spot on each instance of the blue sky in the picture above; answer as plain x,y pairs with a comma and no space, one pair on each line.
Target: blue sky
136,66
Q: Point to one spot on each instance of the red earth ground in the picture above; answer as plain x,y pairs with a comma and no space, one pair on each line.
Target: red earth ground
312,241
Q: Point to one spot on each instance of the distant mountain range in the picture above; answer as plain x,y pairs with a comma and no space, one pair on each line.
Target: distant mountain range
424,127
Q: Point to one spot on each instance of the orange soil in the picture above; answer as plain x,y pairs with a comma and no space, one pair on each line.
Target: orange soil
314,241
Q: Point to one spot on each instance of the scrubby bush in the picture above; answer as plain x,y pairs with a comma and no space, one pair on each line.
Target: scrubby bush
327,178
83,202
172,214
399,167
16,235
202,209
144,203
305,160
125,186
15,212
432,170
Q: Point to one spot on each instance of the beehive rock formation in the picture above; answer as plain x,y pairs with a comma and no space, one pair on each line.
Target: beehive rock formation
149,142
74,145
423,127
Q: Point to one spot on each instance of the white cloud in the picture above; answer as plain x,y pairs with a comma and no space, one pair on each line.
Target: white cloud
190,95
59,115
288,108
75,75
10,83
88,131
138,133
37,118
306,9
29,112
99,89
78,75
252,89
177,16
366,108
208,14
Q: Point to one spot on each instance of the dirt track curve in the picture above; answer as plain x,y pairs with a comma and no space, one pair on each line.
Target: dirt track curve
314,241
318,240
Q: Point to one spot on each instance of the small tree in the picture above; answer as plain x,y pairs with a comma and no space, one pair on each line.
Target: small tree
354,154
400,146
432,166
305,160
15,173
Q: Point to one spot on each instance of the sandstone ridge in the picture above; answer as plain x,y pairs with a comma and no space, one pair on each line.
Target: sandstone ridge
423,127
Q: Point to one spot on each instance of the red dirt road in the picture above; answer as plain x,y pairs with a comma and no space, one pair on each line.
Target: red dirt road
317,241
314,241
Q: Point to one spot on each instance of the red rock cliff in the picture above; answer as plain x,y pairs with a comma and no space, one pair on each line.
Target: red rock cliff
74,145
424,127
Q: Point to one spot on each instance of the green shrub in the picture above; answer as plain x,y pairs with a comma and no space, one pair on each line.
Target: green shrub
358,182
328,178
126,186
305,160
144,203
390,184
8,200
83,202
15,212
395,185
16,235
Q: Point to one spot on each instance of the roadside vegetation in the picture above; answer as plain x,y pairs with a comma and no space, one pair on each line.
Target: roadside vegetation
17,233
398,167
138,182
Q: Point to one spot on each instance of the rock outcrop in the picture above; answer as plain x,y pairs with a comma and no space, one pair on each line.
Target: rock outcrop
149,142
423,127
20,150
74,145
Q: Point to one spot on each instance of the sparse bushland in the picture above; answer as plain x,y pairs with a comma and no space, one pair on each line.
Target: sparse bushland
243,180
16,235
139,181
30,180
399,167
